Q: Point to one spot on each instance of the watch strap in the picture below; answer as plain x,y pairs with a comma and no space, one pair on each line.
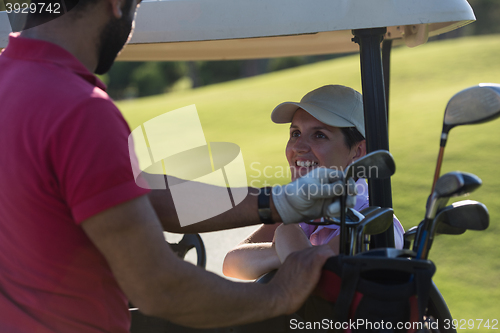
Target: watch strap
264,205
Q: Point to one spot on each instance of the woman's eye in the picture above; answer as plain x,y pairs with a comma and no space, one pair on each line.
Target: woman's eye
295,134
320,135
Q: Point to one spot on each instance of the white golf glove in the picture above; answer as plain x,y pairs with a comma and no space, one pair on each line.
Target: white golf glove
312,196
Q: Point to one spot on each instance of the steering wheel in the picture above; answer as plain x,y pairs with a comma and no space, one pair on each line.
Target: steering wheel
142,323
188,242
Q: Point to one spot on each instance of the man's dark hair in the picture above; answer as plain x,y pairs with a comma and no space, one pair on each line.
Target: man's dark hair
42,15
351,136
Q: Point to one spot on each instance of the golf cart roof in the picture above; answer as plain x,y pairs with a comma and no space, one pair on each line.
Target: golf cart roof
238,29
229,29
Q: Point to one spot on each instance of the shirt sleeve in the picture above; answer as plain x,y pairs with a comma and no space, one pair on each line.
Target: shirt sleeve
91,160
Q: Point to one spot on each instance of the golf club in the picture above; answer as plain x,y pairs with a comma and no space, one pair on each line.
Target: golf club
462,215
368,213
445,187
409,236
471,183
368,210
466,214
352,219
378,164
454,183
441,229
446,229
451,184
473,105
374,223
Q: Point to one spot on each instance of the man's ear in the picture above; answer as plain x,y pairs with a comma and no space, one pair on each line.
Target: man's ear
116,7
359,150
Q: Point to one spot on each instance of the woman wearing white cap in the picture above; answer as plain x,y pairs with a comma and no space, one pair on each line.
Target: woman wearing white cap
327,129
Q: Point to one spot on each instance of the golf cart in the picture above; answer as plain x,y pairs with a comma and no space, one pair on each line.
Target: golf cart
223,30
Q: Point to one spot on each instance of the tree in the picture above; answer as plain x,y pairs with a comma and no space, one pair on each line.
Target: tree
487,17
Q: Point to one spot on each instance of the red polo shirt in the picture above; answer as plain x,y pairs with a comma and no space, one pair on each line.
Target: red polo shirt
64,158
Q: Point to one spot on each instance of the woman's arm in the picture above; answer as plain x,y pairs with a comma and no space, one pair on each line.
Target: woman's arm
264,250
254,256
288,239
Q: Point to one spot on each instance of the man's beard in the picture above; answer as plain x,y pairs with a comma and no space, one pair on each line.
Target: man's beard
113,37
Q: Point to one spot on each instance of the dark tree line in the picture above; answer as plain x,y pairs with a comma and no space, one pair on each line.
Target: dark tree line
137,79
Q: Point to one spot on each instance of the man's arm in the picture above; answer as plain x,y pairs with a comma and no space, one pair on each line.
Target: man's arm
307,197
244,214
159,283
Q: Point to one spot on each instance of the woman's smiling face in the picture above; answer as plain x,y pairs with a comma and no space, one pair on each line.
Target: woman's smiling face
313,143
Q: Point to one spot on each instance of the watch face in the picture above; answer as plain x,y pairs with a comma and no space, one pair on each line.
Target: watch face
265,216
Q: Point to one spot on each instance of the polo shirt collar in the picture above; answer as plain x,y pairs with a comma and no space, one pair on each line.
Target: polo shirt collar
39,50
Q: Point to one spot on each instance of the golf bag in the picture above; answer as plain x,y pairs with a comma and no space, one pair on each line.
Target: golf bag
374,293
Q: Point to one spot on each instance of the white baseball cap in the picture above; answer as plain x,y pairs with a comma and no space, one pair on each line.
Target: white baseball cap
334,105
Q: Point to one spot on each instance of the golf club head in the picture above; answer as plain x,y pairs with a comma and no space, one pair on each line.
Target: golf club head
459,183
378,164
377,221
465,214
471,183
449,185
365,212
374,223
369,209
445,229
446,186
352,219
473,105
409,237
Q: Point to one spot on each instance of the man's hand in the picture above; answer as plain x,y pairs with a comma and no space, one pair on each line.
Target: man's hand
299,275
312,196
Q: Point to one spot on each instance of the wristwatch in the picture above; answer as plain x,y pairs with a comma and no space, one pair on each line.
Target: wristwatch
264,205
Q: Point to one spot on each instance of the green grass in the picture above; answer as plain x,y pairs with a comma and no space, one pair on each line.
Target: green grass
422,81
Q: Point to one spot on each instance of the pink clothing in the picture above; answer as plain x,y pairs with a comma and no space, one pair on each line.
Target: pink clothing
65,159
323,234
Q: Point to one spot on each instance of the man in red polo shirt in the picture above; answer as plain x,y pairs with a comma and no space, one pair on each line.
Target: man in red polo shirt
78,237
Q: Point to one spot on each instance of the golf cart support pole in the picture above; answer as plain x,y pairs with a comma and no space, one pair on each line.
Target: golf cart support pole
386,65
375,109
